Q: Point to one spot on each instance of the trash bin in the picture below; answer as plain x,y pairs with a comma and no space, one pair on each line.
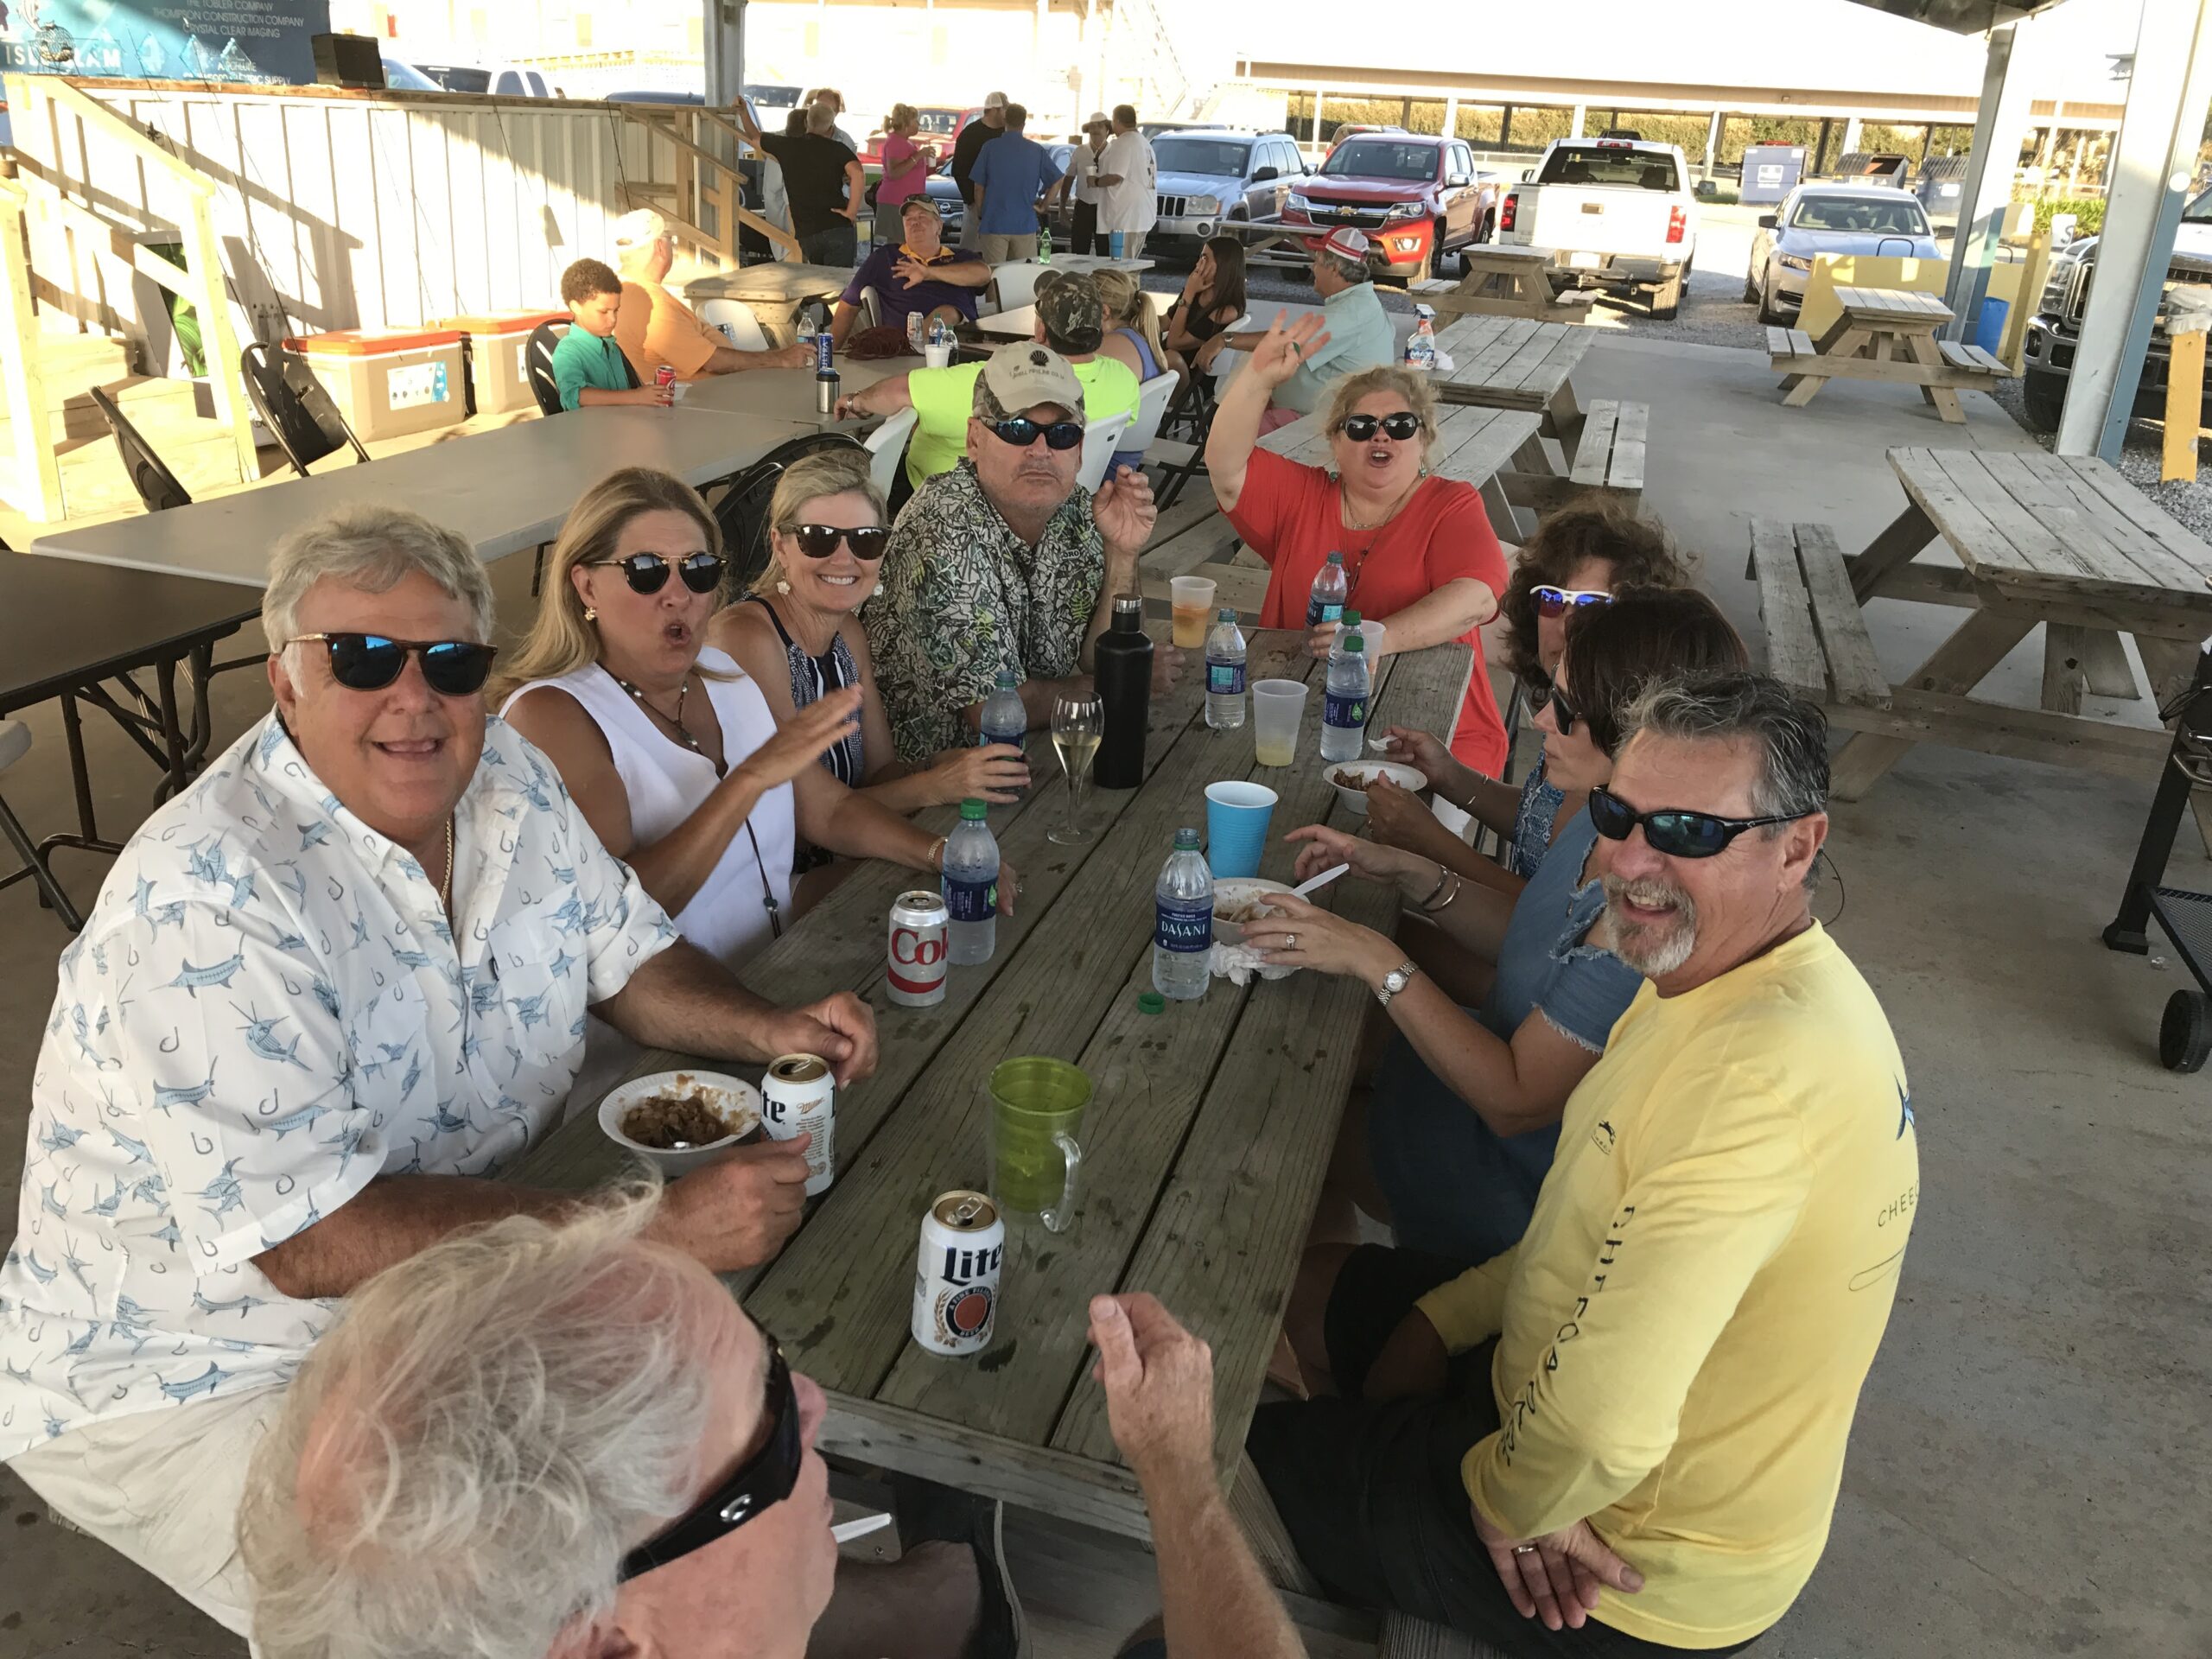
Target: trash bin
497,352
1989,326
389,382
1770,172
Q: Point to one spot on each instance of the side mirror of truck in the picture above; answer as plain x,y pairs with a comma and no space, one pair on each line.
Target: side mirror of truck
1768,221
1265,174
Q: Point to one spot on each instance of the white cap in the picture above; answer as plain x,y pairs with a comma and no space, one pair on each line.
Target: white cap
640,228
1347,244
994,100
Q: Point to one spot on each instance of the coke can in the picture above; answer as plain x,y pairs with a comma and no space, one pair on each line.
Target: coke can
799,1096
956,1278
665,377
916,971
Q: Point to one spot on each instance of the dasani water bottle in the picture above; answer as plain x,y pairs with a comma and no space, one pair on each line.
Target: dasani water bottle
1343,708
971,889
1182,940
1003,720
1331,590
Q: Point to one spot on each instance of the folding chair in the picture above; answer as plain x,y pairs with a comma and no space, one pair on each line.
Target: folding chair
742,511
1153,398
157,486
537,356
1100,440
737,323
1016,284
292,404
15,744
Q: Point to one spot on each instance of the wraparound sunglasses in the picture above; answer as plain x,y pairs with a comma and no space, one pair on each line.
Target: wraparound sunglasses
1671,830
1557,601
369,662
1021,432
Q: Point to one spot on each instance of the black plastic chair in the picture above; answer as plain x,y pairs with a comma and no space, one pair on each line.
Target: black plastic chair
743,511
291,402
157,486
539,354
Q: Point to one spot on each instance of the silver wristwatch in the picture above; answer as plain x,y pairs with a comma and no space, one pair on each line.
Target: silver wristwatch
1395,981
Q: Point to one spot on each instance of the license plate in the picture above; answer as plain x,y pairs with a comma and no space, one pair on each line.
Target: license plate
1583,261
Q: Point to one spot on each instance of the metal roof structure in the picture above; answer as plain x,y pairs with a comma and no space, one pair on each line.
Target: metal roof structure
1962,16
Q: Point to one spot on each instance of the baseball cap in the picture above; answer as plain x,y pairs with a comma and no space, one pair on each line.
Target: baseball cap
639,228
994,100
1072,309
1099,119
1020,377
1347,244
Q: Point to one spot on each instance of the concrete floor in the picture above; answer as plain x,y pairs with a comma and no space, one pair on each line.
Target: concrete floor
2026,1476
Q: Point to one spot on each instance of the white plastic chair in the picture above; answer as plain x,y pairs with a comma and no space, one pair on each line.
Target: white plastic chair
987,299
871,309
886,446
1100,440
1153,398
737,323
1017,283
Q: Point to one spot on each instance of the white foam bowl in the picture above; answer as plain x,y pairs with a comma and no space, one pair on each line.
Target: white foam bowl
1367,771
738,1102
1232,893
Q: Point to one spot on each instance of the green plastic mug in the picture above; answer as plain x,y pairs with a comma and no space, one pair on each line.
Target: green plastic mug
1037,1107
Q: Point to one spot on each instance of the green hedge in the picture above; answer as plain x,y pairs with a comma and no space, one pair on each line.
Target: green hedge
2088,213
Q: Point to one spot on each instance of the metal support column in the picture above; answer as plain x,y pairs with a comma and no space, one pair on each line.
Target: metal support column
2001,124
723,48
1712,140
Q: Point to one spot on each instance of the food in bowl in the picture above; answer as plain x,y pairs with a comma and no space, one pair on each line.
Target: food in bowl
1344,779
1353,781
658,1117
675,1123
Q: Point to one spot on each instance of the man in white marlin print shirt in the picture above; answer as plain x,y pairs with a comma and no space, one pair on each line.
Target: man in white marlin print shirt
345,970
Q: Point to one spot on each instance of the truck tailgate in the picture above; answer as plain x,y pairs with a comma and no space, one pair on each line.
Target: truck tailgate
1586,220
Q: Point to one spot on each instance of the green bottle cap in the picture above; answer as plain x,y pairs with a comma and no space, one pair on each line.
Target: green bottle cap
972,811
1151,1002
1336,558
1351,619
1008,680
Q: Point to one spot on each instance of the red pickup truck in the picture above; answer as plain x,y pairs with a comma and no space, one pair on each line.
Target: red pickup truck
1418,198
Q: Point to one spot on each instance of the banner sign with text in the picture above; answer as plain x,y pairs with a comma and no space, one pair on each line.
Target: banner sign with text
231,41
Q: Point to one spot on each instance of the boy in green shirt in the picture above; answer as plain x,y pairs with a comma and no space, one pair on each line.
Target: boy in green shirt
589,369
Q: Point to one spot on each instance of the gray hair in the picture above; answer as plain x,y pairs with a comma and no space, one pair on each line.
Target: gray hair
820,117
1349,270
374,548
1791,734
464,1459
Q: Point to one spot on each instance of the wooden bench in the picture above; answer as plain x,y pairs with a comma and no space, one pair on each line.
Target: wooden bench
1972,359
1817,642
1608,462
1785,344
1505,280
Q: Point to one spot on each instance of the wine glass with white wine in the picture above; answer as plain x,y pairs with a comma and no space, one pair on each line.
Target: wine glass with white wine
1078,725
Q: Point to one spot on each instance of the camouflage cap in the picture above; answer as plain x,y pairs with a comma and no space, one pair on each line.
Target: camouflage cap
1074,315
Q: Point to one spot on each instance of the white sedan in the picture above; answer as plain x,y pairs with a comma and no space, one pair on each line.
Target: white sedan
1866,219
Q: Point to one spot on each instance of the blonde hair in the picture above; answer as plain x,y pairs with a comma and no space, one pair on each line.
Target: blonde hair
1389,377
561,641
1127,307
900,115
826,472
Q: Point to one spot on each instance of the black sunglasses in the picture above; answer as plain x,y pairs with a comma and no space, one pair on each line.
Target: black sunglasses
761,1482
648,572
1401,426
369,662
1550,695
1671,830
820,541
1021,432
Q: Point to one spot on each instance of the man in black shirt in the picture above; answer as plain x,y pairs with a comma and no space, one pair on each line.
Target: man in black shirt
965,148
823,182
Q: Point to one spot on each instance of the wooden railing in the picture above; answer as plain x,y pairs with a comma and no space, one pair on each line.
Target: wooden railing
38,196
702,179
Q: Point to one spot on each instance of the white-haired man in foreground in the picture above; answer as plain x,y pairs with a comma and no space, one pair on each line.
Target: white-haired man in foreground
569,1441
326,991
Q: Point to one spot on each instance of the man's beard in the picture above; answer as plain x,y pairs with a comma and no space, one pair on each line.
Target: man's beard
1653,949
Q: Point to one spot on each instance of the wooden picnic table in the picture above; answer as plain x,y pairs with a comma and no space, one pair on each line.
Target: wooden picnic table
1516,363
774,289
1504,280
2063,542
1883,334
1203,1147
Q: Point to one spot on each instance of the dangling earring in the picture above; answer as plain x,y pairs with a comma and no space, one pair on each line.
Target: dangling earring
590,615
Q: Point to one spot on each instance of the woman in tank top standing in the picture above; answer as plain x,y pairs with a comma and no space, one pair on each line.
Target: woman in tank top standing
668,746
798,633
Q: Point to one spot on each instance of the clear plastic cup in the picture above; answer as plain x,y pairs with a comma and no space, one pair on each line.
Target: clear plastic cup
1192,602
1278,707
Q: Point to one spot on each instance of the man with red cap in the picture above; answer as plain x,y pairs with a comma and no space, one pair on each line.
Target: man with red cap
1358,329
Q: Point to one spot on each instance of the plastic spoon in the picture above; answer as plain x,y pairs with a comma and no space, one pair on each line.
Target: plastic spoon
1306,888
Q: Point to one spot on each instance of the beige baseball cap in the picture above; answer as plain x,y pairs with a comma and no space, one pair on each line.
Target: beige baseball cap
994,100
639,227
1018,377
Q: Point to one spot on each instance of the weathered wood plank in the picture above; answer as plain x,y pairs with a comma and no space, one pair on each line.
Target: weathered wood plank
1630,436
1994,728
1955,667
2049,544
1594,454
1980,543
1854,667
2065,673
1793,646
1405,1637
1901,541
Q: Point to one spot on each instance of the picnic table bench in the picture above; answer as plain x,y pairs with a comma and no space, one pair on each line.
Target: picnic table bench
1502,280
1516,363
1883,334
1204,1146
2063,542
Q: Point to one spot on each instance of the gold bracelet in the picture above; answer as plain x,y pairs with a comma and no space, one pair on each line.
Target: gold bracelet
936,852
1456,885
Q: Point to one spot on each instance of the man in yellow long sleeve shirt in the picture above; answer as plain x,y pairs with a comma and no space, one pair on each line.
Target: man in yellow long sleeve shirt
1654,1387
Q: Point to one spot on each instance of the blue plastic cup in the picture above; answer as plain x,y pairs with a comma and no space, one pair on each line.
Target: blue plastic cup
1113,245
1237,827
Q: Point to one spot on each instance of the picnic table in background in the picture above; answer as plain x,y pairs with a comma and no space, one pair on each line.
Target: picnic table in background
1203,1149
2060,542
774,289
1516,363
787,395
1502,280
1883,334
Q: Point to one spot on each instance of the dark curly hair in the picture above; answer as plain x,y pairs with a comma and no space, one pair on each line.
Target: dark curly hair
1615,653
1640,552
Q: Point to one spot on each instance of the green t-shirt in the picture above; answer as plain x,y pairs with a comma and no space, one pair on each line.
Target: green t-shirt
582,360
943,398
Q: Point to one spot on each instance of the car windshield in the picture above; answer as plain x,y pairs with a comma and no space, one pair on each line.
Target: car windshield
1219,157
1379,158
2198,212
1884,217
1602,163
405,77
459,77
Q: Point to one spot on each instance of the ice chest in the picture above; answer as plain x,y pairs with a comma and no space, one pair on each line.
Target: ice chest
499,359
389,382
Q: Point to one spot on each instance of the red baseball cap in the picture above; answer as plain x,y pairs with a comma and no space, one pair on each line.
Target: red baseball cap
1347,244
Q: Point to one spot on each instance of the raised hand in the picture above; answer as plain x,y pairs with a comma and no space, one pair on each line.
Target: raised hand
1281,350
1124,509
803,740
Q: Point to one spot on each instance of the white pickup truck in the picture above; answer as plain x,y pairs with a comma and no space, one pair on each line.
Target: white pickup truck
1615,213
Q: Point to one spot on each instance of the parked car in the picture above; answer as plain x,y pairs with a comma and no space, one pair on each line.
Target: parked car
499,81
1418,198
403,76
1156,129
1360,128
1616,213
1877,220
1210,176
2056,329
946,193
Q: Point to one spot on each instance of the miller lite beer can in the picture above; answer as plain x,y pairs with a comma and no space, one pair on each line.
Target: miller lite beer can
956,1279
916,971
799,1096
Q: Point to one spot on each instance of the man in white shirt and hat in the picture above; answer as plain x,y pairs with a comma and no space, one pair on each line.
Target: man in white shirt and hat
1128,173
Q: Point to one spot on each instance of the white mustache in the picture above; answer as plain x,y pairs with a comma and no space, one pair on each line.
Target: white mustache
1650,893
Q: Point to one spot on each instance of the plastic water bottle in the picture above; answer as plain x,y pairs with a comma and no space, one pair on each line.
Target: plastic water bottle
1331,590
971,889
1420,349
1044,247
1182,940
1343,708
1003,719
1225,673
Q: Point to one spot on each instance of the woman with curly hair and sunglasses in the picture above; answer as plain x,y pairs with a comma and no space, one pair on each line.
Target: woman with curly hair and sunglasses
1418,551
1576,559
669,747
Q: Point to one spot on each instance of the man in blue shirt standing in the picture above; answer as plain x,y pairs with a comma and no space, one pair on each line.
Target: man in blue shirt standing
1010,174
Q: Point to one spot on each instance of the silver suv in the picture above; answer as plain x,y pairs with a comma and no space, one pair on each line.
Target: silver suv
1209,176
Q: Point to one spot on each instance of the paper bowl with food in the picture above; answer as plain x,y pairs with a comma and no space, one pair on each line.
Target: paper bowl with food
1353,779
677,1120
1238,900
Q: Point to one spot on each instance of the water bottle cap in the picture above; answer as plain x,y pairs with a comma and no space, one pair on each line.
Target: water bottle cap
1336,558
1151,1002
1008,680
1227,615
1351,619
974,811
1186,841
